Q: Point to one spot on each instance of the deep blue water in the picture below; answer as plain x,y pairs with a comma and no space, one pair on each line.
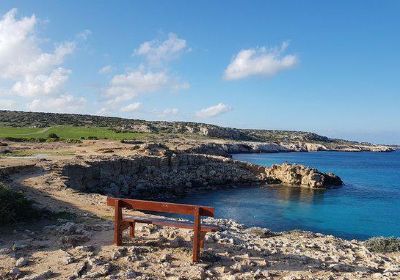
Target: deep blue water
368,205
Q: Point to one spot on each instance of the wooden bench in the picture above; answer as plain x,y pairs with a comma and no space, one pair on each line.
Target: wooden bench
122,222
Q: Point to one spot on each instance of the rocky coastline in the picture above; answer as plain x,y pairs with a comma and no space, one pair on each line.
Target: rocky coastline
158,172
228,148
77,244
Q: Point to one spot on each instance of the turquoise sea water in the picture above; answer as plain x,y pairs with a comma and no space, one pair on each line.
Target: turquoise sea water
367,205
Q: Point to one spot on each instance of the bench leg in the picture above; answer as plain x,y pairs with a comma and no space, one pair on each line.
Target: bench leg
132,230
196,246
117,235
117,224
202,235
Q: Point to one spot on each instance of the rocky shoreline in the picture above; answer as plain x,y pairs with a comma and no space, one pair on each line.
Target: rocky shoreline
77,244
81,249
228,148
158,172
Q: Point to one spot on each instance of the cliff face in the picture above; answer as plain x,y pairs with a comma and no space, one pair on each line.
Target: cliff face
162,173
151,176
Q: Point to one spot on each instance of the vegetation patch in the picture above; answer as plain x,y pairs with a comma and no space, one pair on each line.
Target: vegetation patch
55,133
383,244
14,207
26,139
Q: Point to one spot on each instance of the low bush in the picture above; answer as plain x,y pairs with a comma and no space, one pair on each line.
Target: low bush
53,136
93,138
14,207
383,244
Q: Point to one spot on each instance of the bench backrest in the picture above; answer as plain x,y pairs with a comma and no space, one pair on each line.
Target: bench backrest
163,207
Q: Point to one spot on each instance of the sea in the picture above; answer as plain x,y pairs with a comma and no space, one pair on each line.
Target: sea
367,205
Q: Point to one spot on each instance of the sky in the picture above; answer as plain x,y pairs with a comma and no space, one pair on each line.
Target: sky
330,67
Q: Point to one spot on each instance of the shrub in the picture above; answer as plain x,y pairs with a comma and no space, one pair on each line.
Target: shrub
92,138
383,244
14,207
53,136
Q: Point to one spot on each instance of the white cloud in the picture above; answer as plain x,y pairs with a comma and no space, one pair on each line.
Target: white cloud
6,104
130,85
84,34
147,78
168,112
127,86
50,84
260,62
61,104
105,69
157,52
131,107
213,111
22,62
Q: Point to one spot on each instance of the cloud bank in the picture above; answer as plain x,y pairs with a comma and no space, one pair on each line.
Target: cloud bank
31,72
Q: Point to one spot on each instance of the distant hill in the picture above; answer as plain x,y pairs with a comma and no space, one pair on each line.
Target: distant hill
42,120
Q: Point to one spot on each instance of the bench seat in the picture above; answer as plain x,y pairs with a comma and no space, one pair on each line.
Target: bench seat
168,223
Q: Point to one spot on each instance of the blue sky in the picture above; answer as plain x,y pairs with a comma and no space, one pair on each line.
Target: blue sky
331,67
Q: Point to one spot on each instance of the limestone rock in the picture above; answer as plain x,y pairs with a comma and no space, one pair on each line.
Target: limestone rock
294,174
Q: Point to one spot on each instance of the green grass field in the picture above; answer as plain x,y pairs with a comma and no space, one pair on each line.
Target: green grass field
66,132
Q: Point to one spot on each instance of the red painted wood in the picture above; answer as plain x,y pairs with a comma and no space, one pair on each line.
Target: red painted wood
196,235
164,207
122,222
132,229
169,223
117,223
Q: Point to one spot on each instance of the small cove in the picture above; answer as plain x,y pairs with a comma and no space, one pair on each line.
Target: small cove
367,205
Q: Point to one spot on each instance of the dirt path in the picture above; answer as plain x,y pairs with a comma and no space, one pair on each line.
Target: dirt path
34,133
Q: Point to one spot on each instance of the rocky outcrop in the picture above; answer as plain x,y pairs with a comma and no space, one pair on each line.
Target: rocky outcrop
301,175
159,172
155,176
